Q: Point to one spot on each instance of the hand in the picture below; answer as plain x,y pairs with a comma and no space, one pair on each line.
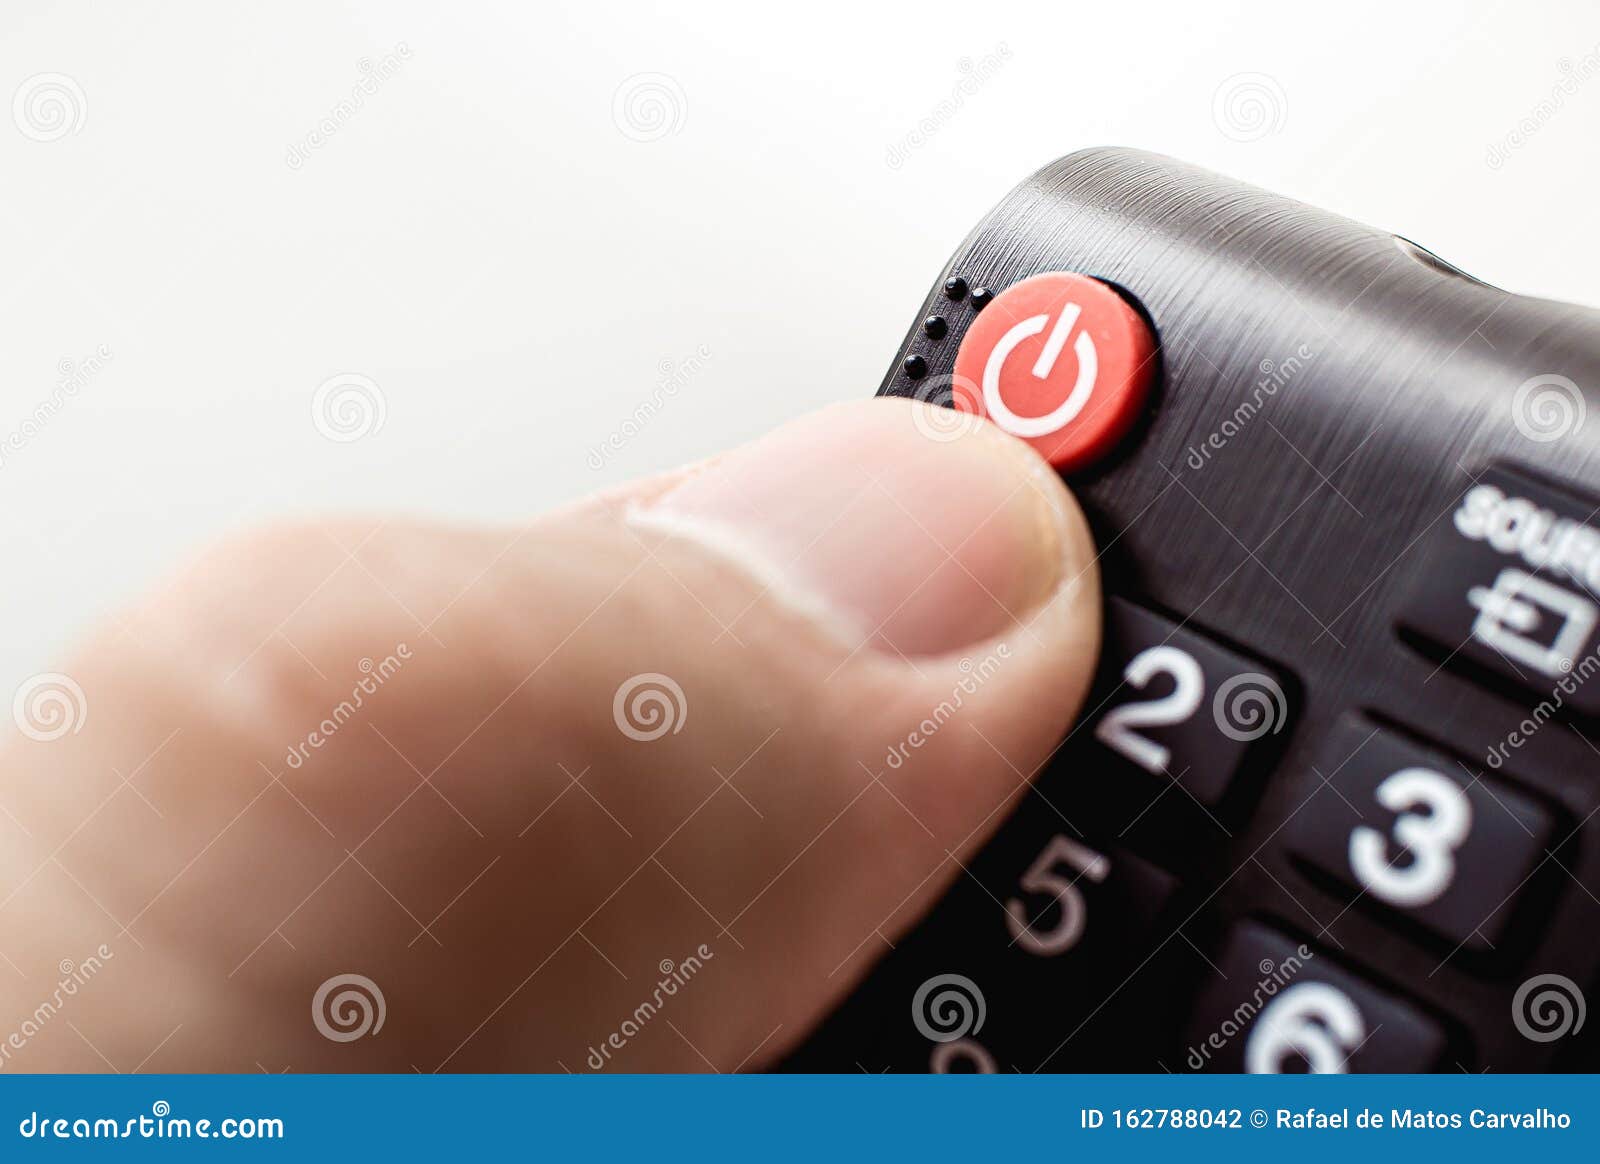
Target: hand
709,743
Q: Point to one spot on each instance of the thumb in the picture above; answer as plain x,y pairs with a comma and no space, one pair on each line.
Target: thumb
651,785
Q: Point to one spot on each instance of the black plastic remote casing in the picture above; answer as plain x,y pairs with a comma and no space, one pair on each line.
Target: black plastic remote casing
1297,508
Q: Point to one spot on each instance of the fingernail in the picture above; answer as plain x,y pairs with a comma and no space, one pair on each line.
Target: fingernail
913,529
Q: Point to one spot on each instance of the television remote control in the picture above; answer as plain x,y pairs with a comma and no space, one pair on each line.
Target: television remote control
1332,804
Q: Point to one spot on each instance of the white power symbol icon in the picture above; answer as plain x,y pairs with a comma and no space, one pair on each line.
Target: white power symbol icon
1063,413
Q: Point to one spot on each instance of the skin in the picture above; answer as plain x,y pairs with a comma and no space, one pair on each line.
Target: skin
479,838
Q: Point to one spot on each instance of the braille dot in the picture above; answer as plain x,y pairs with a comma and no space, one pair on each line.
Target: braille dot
955,288
935,326
916,367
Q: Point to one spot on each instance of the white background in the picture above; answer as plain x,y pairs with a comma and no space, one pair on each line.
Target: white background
484,240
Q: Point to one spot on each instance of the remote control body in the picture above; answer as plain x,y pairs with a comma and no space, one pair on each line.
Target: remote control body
1332,803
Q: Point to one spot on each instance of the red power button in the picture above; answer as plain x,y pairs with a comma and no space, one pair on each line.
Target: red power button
1061,361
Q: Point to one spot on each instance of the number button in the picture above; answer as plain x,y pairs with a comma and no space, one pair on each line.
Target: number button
1310,1021
1075,918
1284,1007
1052,914
1026,948
1180,705
1415,831
1435,818
1055,875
